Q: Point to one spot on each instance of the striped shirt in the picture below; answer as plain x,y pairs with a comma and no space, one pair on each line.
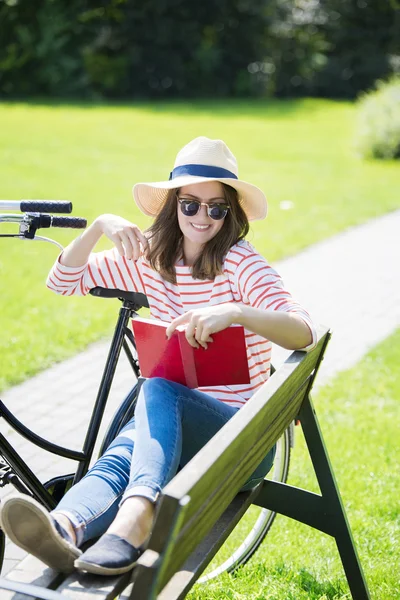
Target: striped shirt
247,278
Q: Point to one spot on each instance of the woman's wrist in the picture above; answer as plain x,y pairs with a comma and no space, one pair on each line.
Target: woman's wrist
237,316
77,253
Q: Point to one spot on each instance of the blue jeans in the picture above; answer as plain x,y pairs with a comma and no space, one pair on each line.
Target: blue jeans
171,424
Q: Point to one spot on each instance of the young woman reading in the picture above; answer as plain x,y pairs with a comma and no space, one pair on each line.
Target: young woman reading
197,270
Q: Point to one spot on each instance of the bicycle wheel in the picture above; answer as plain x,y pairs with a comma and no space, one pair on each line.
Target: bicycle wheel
251,530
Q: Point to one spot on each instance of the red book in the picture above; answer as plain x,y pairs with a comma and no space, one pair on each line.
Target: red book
223,363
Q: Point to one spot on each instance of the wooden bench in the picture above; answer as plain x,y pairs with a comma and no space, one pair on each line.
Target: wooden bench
201,506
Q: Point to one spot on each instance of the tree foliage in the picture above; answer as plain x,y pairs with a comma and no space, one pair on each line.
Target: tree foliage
175,48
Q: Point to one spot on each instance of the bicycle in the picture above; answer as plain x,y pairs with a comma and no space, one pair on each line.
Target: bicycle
253,527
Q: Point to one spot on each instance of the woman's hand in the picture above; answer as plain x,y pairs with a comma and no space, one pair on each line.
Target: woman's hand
127,237
203,322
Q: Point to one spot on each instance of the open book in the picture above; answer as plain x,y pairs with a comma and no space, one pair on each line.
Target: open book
223,363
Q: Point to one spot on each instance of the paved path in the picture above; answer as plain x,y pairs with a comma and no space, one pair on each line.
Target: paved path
350,282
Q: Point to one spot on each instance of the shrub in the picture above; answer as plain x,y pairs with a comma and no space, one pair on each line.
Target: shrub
378,134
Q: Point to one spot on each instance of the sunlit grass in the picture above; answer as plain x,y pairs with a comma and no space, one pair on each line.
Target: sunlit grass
299,152
359,416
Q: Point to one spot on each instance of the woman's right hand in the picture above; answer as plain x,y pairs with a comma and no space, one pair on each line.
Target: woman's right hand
126,236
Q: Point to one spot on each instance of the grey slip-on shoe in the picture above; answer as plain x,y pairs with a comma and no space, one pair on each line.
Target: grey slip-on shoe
110,555
31,527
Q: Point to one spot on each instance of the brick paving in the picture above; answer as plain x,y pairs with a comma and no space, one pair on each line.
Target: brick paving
350,282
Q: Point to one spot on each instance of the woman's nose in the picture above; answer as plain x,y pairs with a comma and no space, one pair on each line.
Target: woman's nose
203,209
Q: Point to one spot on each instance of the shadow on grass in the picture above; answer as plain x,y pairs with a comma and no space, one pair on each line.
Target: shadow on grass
297,583
317,589
223,108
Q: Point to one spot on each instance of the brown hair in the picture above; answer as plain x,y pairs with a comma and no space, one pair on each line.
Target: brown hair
166,238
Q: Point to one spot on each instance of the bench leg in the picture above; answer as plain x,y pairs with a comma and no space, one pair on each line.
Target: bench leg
332,501
324,512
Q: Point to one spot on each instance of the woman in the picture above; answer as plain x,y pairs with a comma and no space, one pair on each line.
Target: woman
196,269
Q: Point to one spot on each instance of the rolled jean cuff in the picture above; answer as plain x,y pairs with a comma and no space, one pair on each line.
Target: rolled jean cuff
151,492
78,524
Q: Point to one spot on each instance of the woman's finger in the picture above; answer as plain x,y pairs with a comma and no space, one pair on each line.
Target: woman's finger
142,238
197,334
181,320
127,242
190,334
202,334
118,244
134,242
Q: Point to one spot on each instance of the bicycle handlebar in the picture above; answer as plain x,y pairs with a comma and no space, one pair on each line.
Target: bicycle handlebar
29,224
54,206
70,222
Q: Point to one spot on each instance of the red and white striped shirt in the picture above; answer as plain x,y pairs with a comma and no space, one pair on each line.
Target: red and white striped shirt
247,278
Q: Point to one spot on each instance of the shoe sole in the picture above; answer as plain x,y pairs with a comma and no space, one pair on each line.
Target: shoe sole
89,567
30,527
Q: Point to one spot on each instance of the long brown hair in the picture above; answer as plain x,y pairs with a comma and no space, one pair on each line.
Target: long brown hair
166,238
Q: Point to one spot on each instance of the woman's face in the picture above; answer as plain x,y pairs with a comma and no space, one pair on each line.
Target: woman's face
200,228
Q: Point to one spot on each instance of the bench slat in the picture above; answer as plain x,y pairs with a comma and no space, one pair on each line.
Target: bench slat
83,586
201,522
31,570
182,580
220,466
19,590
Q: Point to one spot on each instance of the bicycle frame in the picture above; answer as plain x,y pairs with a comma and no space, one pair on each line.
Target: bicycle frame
13,469
17,472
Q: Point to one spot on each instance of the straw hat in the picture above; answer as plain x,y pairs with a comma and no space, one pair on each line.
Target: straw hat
201,160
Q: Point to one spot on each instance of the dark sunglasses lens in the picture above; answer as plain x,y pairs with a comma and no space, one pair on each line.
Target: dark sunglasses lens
190,207
217,211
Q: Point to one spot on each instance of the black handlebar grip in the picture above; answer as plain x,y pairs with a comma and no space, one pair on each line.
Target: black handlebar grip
46,206
69,222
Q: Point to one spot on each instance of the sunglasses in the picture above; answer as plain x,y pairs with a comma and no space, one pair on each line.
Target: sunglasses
215,210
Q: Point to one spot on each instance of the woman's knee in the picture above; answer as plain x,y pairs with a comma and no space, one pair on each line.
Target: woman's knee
157,389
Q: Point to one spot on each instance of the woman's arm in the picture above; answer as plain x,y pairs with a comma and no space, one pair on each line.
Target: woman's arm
126,236
287,329
283,328
78,269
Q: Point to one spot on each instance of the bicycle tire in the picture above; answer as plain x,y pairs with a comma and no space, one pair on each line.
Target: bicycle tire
263,520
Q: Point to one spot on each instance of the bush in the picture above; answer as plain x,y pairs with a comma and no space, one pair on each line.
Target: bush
378,134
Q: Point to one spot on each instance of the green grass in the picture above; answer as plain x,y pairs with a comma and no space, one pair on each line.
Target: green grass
298,151
359,416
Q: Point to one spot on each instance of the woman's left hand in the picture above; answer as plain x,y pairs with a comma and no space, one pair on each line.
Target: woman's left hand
202,322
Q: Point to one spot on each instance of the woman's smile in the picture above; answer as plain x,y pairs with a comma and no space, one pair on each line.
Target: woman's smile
200,227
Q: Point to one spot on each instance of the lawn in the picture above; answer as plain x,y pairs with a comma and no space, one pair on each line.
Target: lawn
359,416
300,152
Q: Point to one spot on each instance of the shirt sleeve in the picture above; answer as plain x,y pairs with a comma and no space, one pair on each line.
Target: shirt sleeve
104,269
257,284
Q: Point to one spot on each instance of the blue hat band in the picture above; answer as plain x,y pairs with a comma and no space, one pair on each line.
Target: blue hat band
202,171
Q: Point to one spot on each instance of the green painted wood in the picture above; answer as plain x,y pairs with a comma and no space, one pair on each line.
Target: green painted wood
224,489
145,576
217,472
333,501
181,582
301,505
